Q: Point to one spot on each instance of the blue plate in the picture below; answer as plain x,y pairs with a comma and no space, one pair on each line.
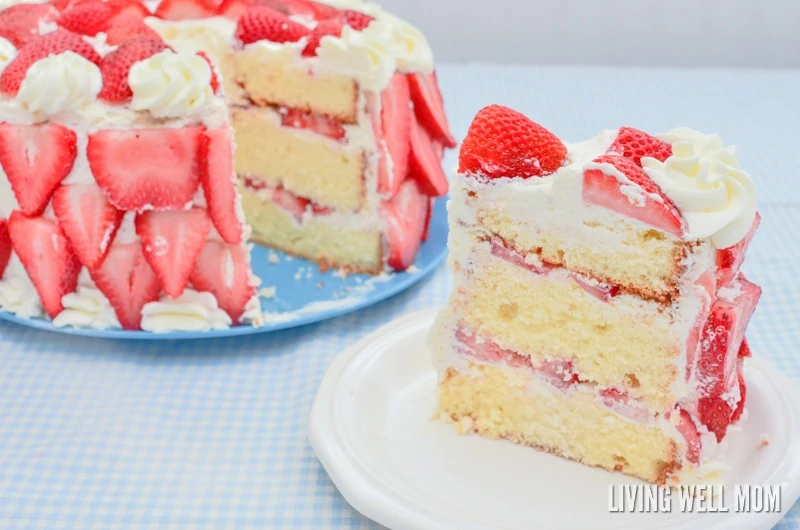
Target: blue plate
303,294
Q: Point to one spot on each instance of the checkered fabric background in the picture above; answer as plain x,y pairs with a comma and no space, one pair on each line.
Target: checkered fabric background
212,434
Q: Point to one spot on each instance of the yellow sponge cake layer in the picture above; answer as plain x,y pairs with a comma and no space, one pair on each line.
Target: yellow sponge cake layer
644,261
625,343
497,402
306,164
351,246
277,77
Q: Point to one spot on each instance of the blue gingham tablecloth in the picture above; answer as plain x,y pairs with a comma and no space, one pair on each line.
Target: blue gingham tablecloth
212,434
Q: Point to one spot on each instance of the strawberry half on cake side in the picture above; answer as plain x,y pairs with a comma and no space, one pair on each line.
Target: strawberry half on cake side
113,189
598,311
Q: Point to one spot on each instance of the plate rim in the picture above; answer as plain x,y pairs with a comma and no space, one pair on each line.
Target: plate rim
365,492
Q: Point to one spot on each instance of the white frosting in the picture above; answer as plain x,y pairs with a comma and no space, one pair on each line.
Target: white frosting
364,55
17,293
703,178
192,311
5,4
59,82
171,84
87,308
7,53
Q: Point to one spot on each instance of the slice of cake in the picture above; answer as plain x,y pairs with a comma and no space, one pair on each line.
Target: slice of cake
117,126
598,311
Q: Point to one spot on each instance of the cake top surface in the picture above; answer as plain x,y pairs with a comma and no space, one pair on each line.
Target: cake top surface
683,182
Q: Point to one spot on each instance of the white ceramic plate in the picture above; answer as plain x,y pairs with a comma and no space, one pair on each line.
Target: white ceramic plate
373,427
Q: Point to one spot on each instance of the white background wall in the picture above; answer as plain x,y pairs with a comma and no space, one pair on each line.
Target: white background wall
748,33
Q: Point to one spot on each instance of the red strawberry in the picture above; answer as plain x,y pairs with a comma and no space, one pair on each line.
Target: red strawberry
88,220
356,19
218,179
223,271
36,158
635,144
405,215
186,9
428,219
128,282
429,107
47,257
729,260
737,413
504,251
307,8
501,142
58,41
171,243
688,429
20,23
395,132
128,10
263,23
5,246
116,66
234,9
214,79
120,32
423,163
142,169
331,27
602,187
87,18
744,350
715,414
293,204
318,123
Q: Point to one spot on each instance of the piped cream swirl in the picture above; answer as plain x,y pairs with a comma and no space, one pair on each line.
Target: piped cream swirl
704,180
65,81
171,84
192,311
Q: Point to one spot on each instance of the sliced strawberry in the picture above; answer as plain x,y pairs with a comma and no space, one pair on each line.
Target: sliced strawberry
744,350
36,158
56,42
428,219
263,23
332,27
608,178
602,291
128,10
501,142
729,260
88,220
5,246
186,9
395,131
219,183
318,123
119,32
20,23
423,163
429,107
715,414
737,413
635,144
116,66
223,271
214,79
47,257
291,203
687,428
704,288
304,8
234,9
558,372
405,215
502,250
722,337
171,242
356,19
146,169
87,18
128,282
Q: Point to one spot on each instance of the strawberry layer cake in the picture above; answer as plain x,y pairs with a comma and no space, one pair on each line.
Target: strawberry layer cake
598,311
124,202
